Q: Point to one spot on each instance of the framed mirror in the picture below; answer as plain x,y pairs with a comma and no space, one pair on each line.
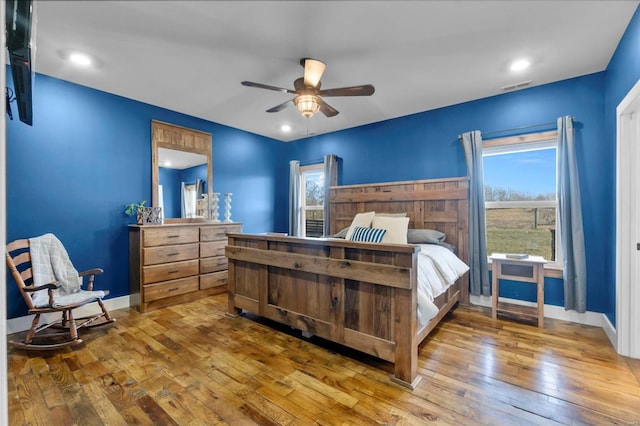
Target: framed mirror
181,172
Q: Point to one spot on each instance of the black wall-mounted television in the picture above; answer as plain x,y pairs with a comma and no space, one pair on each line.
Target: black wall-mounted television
19,15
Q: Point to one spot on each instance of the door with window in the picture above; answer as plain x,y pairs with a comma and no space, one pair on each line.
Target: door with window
520,197
312,200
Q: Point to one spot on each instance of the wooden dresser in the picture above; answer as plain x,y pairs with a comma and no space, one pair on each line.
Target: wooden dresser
176,263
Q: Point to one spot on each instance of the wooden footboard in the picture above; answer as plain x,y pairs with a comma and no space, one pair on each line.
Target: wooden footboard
361,295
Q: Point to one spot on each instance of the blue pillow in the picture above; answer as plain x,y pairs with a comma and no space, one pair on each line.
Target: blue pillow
369,235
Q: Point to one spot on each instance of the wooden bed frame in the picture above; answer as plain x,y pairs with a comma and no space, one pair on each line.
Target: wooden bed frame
361,295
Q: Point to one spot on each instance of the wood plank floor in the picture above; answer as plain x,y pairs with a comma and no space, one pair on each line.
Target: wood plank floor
191,365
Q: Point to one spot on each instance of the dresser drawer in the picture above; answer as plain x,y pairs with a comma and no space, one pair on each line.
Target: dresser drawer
169,236
164,254
217,233
169,271
170,288
215,248
217,279
213,264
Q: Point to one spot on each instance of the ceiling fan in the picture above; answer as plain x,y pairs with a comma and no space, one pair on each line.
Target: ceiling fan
308,97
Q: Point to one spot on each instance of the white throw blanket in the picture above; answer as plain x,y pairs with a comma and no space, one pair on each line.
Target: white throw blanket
50,262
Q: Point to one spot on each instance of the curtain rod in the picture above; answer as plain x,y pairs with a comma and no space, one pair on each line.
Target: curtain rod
518,128
315,161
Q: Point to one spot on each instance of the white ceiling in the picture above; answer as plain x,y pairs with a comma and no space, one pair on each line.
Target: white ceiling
190,56
180,160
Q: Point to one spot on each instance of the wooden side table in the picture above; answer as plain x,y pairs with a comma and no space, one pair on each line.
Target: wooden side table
529,269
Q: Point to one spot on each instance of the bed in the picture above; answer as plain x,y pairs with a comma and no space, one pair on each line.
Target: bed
359,294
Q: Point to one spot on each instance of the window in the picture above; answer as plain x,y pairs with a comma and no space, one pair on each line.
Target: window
312,200
520,196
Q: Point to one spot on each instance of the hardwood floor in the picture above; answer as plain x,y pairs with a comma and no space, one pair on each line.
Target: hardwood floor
191,365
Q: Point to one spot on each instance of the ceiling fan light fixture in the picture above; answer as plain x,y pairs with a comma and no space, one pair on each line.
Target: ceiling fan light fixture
313,70
307,105
309,97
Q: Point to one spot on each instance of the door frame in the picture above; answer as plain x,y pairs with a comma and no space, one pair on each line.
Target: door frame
627,210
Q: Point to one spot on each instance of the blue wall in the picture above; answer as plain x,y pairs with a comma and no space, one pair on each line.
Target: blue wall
88,154
425,146
170,181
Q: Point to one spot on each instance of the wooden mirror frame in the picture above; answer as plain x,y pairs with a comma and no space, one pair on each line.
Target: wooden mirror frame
170,136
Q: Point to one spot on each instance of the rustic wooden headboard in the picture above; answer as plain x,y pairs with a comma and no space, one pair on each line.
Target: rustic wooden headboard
440,204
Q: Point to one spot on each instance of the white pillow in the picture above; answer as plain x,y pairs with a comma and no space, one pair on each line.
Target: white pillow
396,228
361,219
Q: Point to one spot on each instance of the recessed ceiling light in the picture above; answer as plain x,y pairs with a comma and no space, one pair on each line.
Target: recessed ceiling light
520,64
80,59
285,128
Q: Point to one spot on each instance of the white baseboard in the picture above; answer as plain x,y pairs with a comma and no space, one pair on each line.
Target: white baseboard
611,332
16,325
596,319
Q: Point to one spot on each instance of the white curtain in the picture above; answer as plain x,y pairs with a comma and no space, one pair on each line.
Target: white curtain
161,202
570,223
478,266
188,200
294,198
330,179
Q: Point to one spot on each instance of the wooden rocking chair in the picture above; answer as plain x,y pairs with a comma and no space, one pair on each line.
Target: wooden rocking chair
66,334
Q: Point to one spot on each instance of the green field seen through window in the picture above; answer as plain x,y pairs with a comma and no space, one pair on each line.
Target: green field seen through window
521,230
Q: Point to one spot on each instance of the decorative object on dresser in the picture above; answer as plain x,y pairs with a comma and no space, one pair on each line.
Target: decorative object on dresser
227,206
151,216
214,207
517,267
135,209
177,262
359,294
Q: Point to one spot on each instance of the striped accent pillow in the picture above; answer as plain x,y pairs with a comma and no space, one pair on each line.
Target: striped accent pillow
369,235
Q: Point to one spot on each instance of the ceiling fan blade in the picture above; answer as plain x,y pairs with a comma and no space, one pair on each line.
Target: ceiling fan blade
327,109
363,90
281,106
265,86
313,70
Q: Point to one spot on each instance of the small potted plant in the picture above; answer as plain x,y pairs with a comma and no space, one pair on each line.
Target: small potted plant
145,215
136,209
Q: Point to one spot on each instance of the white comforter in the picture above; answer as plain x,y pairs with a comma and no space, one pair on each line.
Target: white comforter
438,268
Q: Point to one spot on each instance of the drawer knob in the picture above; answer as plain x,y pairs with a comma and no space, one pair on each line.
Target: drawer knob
174,289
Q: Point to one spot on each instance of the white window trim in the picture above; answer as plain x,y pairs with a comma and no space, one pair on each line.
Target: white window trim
519,147
524,143
527,204
303,207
